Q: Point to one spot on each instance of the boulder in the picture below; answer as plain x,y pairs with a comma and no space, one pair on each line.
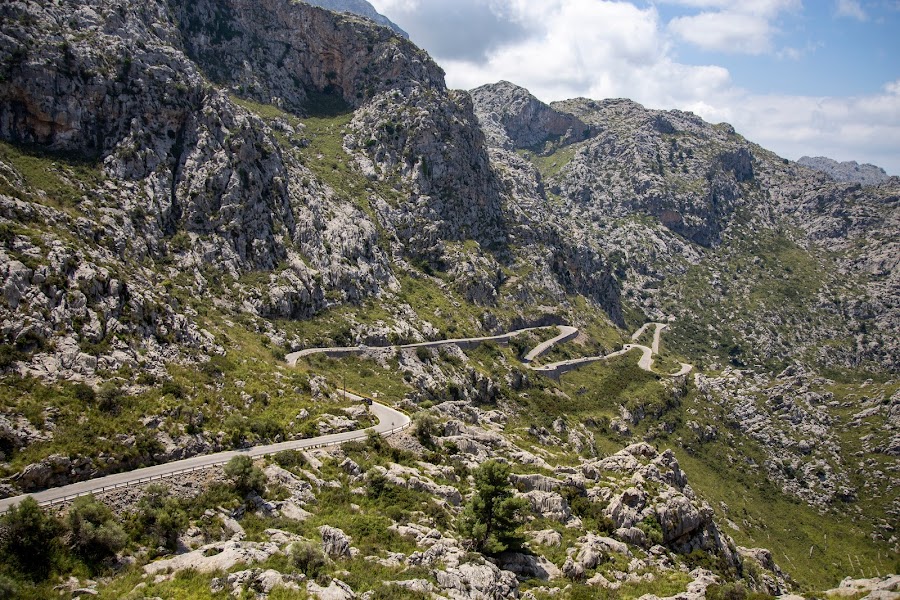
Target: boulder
214,557
479,581
528,566
632,535
335,543
549,505
336,590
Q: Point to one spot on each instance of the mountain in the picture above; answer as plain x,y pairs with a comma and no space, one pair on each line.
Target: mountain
849,171
358,7
190,191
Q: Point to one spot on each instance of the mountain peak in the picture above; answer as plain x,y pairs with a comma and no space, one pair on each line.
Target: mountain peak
360,8
513,118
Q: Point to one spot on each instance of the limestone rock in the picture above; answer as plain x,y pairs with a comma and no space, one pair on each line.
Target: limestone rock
214,557
335,542
479,581
336,590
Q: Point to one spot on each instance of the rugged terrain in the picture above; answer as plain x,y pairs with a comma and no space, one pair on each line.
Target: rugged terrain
850,171
191,190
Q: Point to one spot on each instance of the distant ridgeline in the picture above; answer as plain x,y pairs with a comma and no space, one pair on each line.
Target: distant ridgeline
361,8
849,171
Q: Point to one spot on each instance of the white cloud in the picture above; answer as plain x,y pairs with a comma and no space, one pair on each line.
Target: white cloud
851,9
725,31
620,51
390,7
732,26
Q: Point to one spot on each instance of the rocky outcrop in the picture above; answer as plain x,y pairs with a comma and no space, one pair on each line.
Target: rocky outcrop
527,566
335,542
220,556
257,580
483,581
876,587
848,171
512,118
657,494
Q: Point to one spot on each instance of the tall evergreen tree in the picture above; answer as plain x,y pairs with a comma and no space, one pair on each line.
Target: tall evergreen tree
492,517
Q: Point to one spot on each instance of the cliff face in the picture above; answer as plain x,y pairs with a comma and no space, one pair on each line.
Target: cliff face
361,8
279,53
512,119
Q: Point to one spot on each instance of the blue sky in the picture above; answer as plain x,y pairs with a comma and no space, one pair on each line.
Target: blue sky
814,77
818,49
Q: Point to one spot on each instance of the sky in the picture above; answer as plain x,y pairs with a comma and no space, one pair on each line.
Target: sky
800,77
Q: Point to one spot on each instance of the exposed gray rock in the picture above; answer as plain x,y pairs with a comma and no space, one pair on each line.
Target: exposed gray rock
549,505
214,557
335,590
877,587
335,542
849,171
512,118
528,566
257,581
478,581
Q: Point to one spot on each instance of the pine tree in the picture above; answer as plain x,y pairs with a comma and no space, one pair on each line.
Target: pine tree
493,515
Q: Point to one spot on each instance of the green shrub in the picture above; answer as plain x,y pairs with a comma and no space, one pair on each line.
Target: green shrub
727,591
266,427
590,512
9,354
109,398
289,459
94,533
84,393
245,476
395,592
425,427
652,529
159,519
30,539
9,589
308,559
172,388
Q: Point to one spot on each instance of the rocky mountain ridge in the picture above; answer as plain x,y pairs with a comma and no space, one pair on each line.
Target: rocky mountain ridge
360,8
848,171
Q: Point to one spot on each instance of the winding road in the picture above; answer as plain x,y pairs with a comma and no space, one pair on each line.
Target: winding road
389,419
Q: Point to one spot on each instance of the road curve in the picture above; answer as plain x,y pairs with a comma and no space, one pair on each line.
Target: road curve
293,357
566,333
645,362
389,420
